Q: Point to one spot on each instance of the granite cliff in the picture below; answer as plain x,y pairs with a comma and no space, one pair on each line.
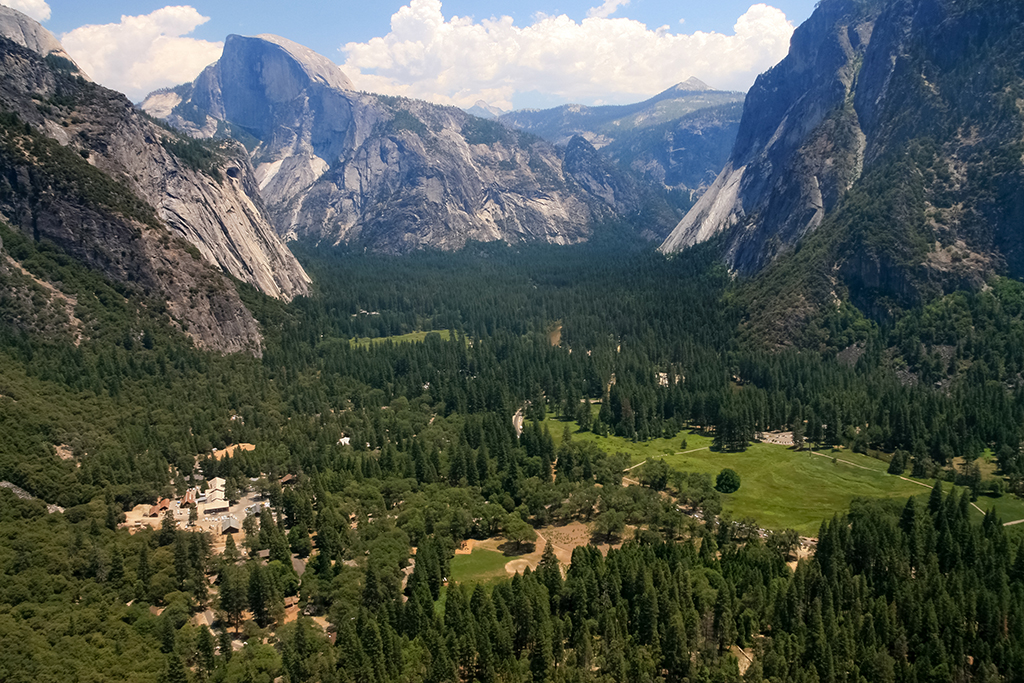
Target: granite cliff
85,170
883,153
390,173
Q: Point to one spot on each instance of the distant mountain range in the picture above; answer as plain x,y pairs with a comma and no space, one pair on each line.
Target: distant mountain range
679,139
393,174
602,125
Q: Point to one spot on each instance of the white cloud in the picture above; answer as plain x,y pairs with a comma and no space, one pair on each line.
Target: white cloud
607,9
143,53
37,9
458,61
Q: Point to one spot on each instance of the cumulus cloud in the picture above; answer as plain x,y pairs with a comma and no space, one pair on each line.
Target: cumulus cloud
37,9
607,9
459,61
143,53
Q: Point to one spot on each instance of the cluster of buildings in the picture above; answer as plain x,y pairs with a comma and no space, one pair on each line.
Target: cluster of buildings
213,504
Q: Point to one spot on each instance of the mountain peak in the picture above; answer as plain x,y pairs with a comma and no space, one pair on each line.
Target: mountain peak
29,33
691,84
485,111
319,68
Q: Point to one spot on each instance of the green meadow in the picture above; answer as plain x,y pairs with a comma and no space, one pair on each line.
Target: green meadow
401,338
780,487
480,566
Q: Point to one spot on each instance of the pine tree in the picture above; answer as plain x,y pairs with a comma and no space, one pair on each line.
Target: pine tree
168,529
233,595
205,661
261,595
175,671
230,554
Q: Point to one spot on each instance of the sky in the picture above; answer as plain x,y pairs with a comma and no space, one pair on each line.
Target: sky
529,53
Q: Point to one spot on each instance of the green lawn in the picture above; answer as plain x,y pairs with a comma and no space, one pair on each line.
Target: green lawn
480,566
782,488
401,338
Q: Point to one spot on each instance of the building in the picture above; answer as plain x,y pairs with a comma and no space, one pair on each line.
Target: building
288,479
189,499
216,508
230,525
216,484
155,511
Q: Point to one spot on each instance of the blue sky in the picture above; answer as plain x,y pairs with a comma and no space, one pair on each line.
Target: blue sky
587,51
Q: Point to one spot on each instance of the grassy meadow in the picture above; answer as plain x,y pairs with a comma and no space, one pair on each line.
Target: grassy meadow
401,338
479,566
782,488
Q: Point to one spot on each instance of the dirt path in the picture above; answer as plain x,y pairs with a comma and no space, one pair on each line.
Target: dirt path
517,422
872,469
853,464
1014,522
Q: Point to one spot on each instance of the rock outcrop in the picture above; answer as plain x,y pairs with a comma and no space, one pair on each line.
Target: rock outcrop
889,142
798,148
30,34
394,174
146,206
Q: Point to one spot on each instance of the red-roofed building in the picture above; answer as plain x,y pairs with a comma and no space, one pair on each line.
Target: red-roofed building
155,511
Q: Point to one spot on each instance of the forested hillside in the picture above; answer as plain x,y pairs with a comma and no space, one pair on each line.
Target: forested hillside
406,450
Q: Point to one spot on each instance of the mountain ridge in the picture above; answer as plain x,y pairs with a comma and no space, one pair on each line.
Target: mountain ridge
136,201
888,180
394,174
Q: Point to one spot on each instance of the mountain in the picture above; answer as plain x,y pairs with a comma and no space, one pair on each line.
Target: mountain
679,139
163,215
485,111
390,173
686,153
883,154
602,125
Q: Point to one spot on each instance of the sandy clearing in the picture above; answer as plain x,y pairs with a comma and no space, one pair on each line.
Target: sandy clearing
230,450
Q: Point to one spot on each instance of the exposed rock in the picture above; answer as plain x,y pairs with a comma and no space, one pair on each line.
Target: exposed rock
92,174
485,111
889,142
29,33
798,149
394,174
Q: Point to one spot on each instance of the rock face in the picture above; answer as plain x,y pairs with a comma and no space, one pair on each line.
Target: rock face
678,139
799,146
887,147
394,174
485,111
686,153
30,34
149,208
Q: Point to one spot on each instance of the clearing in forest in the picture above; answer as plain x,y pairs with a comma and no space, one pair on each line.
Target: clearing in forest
780,487
366,342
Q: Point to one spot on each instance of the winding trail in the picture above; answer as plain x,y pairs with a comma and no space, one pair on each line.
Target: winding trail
872,469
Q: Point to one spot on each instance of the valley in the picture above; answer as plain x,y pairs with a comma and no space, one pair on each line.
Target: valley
300,382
